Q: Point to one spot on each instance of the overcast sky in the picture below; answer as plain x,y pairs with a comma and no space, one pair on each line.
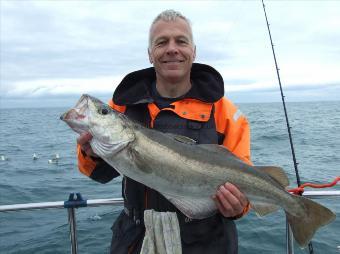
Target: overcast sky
54,51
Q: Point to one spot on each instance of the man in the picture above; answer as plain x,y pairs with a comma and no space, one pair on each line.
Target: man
184,98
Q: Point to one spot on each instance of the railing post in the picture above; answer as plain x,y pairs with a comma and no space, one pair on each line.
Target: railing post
289,239
73,230
74,201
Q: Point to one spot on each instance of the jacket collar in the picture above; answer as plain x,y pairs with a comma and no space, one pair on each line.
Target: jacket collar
135,88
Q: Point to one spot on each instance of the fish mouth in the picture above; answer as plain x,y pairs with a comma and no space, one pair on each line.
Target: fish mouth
72,114
77,117
79,111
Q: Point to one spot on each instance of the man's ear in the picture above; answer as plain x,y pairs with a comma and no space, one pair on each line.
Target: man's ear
150,58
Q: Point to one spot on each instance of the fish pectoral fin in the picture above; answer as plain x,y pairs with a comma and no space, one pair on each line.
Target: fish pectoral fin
263,209
182,139
277,173
142,161
194,208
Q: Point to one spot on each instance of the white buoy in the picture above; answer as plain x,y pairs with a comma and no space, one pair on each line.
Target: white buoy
3,158
53,161
96,217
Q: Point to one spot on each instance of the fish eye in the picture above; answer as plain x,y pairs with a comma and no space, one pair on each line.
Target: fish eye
103,111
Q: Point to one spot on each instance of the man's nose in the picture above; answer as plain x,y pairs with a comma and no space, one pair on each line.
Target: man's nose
172,48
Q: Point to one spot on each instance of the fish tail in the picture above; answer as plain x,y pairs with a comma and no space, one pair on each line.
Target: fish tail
305,225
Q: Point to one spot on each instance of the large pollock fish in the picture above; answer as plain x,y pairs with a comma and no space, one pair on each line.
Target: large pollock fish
188,174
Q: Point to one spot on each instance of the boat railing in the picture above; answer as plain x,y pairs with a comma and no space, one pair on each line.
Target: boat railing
313,195
76,201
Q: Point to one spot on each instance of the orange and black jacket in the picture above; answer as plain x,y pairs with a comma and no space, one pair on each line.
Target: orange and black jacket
203,114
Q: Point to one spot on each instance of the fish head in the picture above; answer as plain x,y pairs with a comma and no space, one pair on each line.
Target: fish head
108,127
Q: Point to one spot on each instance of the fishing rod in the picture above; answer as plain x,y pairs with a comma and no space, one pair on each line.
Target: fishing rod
310,246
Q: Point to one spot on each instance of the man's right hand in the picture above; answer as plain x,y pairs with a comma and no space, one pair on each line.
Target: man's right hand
84,141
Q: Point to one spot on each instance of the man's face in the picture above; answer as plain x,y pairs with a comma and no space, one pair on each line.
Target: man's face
172,51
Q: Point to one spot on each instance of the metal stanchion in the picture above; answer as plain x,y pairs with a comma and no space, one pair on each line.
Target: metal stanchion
73,230
289,239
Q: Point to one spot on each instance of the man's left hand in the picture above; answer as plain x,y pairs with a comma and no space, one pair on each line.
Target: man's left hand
229,200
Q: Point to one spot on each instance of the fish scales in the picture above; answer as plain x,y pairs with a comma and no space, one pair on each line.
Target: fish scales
187,166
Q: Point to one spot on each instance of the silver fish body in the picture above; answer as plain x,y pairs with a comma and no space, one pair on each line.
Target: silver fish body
188,174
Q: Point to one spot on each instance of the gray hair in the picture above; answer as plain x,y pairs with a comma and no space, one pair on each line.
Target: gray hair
170,15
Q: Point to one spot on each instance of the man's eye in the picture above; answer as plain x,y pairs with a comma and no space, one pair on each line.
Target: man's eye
182,42
160,43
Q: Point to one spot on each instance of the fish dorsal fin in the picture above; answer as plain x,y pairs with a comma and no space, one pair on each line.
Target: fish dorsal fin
194,208
182,139
277,173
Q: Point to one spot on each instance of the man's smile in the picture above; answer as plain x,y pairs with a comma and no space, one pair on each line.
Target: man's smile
173,61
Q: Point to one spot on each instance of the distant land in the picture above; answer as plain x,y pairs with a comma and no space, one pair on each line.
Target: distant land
236,97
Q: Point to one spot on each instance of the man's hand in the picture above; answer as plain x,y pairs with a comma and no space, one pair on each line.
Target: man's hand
229,200
84,141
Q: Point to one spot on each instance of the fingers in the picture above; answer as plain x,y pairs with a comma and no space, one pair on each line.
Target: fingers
225,209
84,138
87,149
237,194
84,141
229,200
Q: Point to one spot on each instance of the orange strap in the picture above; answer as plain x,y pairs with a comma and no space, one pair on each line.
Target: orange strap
116,107
299,190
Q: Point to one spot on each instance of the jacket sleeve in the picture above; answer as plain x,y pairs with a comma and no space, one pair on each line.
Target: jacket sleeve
235,131
233,126
96,168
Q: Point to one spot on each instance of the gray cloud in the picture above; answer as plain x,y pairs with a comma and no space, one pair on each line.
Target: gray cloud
85,40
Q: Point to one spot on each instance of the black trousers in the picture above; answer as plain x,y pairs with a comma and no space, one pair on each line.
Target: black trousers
214,235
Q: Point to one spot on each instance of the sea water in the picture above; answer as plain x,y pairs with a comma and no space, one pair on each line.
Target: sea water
24,132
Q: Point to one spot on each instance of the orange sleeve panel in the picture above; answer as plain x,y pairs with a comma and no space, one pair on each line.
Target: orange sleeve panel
235,127
85,164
